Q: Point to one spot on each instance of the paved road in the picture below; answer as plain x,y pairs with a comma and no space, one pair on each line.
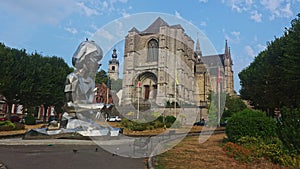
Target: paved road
54,156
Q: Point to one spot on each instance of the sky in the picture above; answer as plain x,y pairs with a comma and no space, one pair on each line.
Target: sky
56,27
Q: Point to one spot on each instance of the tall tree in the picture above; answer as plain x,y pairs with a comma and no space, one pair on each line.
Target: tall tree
11,73
273,78
31,80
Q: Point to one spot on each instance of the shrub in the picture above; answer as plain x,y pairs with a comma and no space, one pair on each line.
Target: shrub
30,120
249,141
271,151
170,121
238,152
290,161
19,126
125,122
250,123
7,126
288,129
160,119
138,126
157,123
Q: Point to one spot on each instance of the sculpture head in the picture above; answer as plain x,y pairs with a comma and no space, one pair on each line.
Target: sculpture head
87,56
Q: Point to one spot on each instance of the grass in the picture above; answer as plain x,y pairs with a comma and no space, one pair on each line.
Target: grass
190,154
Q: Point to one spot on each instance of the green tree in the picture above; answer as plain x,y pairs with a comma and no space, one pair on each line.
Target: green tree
212,115
288,129
233,105
273,78
31,80
101,77
11,73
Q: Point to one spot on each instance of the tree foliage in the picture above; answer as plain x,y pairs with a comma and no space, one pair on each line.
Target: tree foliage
288,128
273,78
101,77
233,105
32,79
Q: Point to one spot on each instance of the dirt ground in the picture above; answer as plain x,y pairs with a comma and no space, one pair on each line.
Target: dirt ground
209,155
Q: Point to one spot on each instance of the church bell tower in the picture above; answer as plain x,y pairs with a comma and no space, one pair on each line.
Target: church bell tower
113,66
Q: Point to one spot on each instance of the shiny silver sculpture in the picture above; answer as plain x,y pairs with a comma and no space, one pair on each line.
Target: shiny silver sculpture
80,84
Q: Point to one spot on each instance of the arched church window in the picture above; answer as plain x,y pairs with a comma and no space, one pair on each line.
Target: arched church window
152,50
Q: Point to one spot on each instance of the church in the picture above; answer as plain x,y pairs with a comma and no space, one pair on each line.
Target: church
163,64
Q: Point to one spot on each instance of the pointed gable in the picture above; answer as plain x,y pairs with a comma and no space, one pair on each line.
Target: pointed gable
154,27
134,30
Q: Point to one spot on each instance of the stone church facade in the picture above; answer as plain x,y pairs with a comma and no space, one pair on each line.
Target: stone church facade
162,63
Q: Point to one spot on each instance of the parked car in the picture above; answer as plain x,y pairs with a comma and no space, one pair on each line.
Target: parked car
223,123
200,123
3,119
118,118
114,119
15,119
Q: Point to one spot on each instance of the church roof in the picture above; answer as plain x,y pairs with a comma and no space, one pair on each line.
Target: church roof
154,27
134,30
178,26
213,60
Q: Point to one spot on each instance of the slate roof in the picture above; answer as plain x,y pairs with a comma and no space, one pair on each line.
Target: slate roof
134,30
154,27
214,60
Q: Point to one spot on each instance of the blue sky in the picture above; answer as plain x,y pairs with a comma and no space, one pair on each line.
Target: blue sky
56,27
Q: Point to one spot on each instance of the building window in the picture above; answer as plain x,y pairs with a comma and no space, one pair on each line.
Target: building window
152,50
113,68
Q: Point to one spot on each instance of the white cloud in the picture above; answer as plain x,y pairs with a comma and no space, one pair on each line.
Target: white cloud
233,37
271,5
203,1
203,23
105,4
239,5
278,8
71,30
87,11
123,12
272,8
235,33
177,14
249,51
256,16
287,12
249,2
236,36
110,5
89,34
105,34
123,1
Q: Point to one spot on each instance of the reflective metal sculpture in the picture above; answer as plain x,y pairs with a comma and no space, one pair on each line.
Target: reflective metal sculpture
80,84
